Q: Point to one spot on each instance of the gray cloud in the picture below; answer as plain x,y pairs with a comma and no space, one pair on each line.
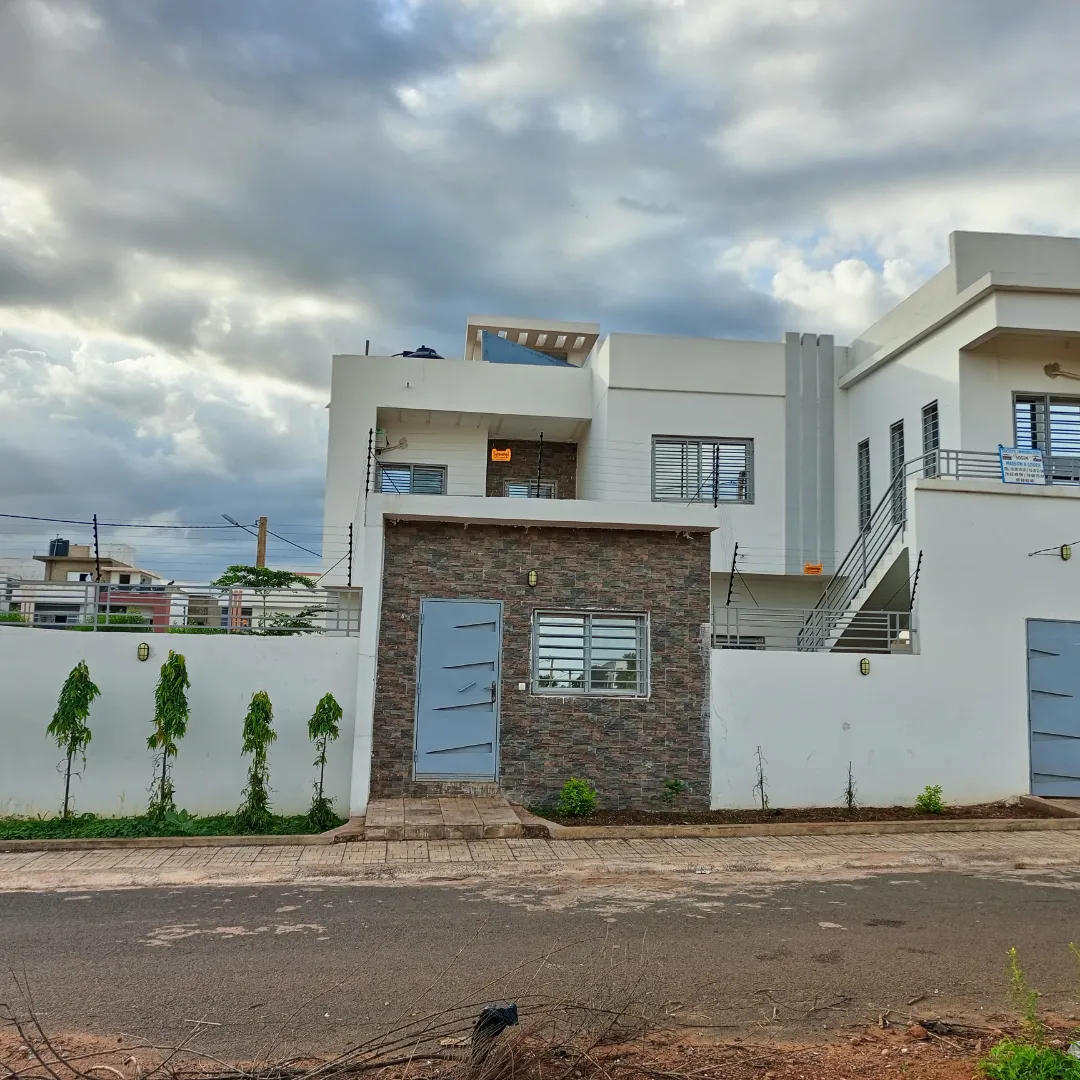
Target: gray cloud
228,193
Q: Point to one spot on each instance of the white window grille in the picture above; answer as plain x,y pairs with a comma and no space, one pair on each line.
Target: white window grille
590,653
529,489
702,469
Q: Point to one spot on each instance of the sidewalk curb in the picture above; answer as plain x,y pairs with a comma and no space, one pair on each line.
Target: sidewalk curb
554,831
154,843
539,828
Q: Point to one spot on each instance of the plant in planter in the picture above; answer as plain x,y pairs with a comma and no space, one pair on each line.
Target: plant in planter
323,727
68,726
259,733
170,726
672,790
929,800
577,798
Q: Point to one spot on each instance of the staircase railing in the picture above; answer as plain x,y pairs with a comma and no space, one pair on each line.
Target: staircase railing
886,522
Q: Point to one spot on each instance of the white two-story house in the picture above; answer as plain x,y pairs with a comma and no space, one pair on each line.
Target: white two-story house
637,558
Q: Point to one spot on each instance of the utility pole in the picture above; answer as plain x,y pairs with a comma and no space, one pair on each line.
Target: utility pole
260,550
97,552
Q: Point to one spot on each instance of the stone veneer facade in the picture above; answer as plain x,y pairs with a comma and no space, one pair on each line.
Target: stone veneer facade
559,463
626,746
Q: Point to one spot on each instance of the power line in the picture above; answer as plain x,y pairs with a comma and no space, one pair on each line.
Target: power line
109,524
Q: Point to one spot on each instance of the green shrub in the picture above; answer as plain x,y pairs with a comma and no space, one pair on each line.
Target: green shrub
577,798
1025,999
12,616
929,800
1011,1060
672,790
196,630
259,733
126,622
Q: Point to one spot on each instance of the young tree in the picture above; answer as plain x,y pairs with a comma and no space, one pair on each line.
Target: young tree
259,733
261,580
68,725
323,727
170,726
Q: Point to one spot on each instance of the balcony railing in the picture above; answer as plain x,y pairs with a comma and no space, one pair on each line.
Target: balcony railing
986,465
788,629
177,609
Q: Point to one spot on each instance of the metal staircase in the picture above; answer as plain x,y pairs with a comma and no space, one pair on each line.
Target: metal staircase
861,569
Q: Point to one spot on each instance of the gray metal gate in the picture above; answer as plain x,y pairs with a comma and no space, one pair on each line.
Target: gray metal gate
457,692
1054,707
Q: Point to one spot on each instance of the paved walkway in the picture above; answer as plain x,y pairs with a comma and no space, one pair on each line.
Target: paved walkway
786,856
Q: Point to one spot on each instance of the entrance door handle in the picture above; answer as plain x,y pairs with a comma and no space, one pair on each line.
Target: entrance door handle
493,694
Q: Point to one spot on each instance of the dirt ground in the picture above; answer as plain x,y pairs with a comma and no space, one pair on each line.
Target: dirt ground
865,1054
779,816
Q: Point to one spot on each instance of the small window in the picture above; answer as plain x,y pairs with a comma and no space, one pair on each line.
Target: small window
702,470
931,438
579,653
864,484
738,641
896,468
124,579
529,489
411,479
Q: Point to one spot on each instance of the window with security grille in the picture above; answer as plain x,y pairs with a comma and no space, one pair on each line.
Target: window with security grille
931,438
590,653
864,484
702,470
397,479
753,642
896,466
1051,423
529,489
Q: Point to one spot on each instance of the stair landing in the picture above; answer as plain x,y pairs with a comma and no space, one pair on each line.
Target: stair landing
446,817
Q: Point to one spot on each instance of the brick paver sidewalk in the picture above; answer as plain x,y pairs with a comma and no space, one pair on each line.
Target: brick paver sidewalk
427,860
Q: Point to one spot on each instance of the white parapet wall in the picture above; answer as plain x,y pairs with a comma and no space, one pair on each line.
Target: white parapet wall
903,726
210,772
956,714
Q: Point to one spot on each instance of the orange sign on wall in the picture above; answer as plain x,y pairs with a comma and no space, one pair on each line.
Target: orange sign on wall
500,455
812,568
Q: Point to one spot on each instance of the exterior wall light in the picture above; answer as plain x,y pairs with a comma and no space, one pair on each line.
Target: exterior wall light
1066,552
531,579
864,666
143,651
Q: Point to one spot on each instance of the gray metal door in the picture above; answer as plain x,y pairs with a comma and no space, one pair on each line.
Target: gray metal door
457,693
1054,707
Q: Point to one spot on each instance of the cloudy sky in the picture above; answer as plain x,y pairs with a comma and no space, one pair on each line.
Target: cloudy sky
202,200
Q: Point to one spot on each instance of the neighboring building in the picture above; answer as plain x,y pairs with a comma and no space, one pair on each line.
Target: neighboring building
642,558
73,580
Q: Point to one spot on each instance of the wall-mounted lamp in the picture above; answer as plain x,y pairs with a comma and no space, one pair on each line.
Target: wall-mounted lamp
1065,552
864,666
531,579
143,651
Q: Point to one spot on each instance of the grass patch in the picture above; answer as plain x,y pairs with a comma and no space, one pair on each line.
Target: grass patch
1011,1060
86,826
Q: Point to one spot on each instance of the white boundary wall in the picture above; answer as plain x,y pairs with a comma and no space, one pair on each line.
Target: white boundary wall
957,713
210,772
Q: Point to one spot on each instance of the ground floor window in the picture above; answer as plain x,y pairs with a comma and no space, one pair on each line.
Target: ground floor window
590,653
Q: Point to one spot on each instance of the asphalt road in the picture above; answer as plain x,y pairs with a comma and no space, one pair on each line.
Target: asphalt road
318,968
